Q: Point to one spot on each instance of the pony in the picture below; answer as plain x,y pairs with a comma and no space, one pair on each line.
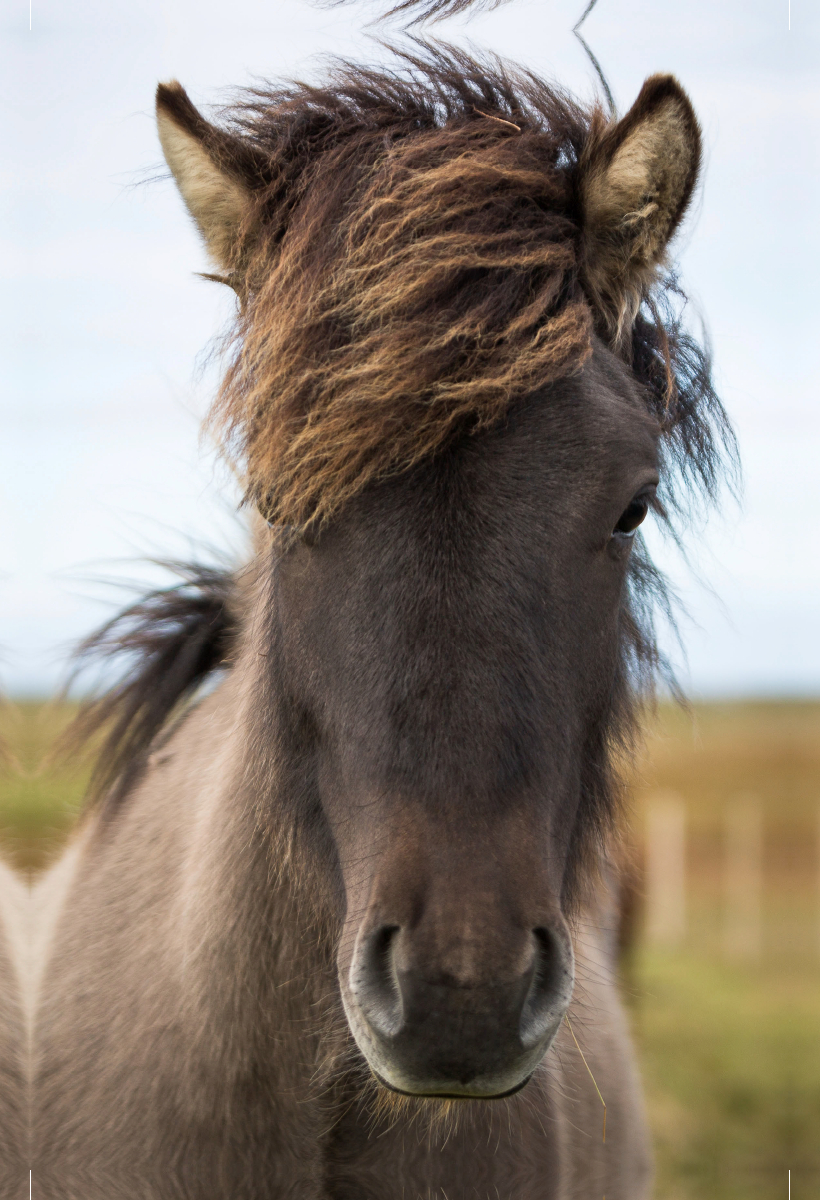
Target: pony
339,921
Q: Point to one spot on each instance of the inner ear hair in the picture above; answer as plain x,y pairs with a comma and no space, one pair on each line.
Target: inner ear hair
636,179
207,164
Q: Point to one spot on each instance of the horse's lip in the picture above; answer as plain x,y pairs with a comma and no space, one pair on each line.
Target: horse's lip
452,1095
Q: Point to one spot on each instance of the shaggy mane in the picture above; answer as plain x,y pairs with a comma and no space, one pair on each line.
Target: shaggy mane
415,265
170,641
429,10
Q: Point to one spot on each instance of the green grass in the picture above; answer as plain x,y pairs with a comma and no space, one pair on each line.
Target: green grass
731,1062
730,1053
39,800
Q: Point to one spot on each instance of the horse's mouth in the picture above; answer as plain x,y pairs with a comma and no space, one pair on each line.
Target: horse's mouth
444,1095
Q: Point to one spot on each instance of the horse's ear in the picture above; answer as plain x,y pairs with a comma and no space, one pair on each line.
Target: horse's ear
211,169
636,179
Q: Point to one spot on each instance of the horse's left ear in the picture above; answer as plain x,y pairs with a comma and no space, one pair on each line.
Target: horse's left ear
636,178
212,170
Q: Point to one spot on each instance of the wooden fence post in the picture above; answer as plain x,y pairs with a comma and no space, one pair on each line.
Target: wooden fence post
666,870
743,873
818,879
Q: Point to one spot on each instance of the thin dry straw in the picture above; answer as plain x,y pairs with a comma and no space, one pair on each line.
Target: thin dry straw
592,1077
500,120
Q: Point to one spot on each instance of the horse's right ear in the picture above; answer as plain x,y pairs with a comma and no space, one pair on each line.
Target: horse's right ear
211,169
636,178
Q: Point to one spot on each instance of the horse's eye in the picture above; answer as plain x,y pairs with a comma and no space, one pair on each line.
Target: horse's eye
631,517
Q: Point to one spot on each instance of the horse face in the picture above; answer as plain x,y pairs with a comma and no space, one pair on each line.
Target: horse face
453,642
450,646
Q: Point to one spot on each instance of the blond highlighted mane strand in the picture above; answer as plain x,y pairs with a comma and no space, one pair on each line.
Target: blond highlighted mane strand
426,274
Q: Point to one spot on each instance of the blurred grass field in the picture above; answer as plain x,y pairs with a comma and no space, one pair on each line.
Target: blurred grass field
39,801
730,1049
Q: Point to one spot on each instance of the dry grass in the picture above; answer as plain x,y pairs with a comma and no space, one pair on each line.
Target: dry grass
725,754
732,1073
39,802
731,1052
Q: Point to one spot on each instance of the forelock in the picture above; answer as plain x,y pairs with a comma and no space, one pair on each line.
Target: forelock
419,274
417,265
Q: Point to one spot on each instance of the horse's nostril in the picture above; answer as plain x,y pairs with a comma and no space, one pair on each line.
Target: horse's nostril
373,980
551,987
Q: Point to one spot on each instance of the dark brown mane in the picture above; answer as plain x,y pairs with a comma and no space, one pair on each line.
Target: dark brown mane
170,641
423,224
426,10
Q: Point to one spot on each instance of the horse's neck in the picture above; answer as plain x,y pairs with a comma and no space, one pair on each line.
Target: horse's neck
245,943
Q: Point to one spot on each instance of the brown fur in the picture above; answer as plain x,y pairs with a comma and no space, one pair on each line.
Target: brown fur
189,1040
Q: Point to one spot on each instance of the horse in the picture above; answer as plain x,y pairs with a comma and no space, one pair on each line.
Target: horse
339,920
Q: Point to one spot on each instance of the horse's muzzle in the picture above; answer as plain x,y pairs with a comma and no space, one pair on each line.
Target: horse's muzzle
457,1028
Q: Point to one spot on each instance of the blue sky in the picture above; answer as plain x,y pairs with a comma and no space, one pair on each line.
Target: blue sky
104,322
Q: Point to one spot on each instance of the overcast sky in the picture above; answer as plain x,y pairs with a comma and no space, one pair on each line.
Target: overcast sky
104,321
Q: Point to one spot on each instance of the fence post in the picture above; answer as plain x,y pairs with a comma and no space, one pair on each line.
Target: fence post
743,877
666,870
818,878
